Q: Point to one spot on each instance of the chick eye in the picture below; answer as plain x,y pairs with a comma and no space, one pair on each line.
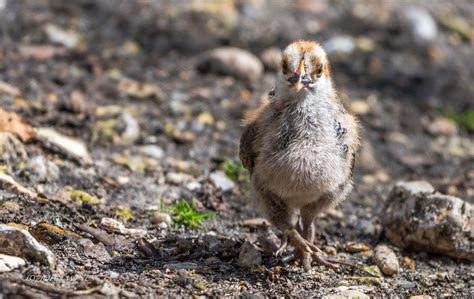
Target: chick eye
319,70
284,68
292,79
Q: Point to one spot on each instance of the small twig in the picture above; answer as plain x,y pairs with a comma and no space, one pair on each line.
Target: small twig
42,286
100,235
48,288
353,266
85,292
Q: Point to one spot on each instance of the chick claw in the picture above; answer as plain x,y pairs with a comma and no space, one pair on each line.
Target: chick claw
305,249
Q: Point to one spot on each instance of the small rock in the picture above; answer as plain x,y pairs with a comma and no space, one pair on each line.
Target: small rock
205,118
232,62
9,263
6,88
10,206
406,284
367,227
354,247
211,241
417,218
255,222
221,181
347,292
77,102
19,242
409,263
112,225
116,226
184,245
136,232
330,250
421,297
223,12
160,217
68,38
415,188
12,149
42,170
359,107
132,129
339,45
365,44
129,48
152,151
95,251
178,178
271,59
421,24
113,274
213,260
249,256
109,290
7,183
269,242
181,136
140,90
440,126
67,145
192,186
386,260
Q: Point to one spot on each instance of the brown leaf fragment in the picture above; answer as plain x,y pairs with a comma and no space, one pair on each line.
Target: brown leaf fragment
11,122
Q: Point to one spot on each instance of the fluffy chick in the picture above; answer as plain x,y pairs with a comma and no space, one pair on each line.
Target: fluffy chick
300,148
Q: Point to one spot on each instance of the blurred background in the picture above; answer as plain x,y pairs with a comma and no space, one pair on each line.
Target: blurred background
405,67
153,93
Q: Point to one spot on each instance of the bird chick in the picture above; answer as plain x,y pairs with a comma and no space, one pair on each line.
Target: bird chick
299,148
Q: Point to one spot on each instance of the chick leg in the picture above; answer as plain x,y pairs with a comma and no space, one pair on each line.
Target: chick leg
281,216
308,215
276,212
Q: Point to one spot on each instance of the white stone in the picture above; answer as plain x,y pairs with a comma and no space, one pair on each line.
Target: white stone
152,151
19,242
69,146
422,25
9,263
339,45
221,181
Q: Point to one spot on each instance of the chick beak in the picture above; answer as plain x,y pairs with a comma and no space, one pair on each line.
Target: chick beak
300,72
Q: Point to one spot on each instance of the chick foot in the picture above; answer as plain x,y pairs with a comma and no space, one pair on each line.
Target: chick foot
306,251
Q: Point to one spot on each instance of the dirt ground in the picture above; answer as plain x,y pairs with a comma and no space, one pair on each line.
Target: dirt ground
107,66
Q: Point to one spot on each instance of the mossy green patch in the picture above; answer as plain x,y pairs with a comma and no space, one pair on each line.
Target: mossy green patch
185,214
123,213
464,119
80,196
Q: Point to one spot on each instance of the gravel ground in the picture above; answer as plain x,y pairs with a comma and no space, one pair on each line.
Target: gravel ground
130,80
